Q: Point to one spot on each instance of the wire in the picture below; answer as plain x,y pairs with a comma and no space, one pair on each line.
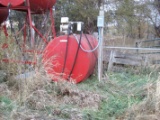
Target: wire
89,51
91,46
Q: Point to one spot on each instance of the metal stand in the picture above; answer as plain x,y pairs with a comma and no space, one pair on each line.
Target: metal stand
29,25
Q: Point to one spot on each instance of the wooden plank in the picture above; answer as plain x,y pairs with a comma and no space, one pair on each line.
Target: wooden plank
126,62
128,56
126,59
140,41
110,65
156,62
150,53
106,55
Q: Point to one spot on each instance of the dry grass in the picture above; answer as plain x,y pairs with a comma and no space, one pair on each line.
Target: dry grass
36,97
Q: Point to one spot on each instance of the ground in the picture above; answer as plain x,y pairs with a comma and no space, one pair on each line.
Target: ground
123,96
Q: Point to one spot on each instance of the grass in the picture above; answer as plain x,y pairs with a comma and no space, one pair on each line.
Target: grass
36,97
119,93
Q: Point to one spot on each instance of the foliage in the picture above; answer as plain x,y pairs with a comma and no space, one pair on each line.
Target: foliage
157,7
38,98
79,10
6,106
131,18
120,92
135,19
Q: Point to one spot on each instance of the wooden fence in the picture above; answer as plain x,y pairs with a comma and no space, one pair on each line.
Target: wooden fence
128,59
145,53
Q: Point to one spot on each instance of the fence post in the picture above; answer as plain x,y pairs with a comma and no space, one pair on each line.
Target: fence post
100,25
137,47
110,64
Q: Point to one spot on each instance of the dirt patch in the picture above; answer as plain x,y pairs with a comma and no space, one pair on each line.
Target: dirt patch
83,99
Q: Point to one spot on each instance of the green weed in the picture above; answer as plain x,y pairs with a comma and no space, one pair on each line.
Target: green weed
120,92
6,106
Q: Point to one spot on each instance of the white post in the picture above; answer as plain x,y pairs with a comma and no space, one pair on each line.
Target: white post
100,24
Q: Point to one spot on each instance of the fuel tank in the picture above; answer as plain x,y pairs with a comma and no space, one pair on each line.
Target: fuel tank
40,6
3,15
12,3
64,59
36,6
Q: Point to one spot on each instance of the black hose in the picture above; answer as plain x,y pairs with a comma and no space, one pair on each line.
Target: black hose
66,51
75,59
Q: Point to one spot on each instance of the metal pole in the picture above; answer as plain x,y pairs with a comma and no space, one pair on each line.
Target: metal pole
52,23
30,23
100,52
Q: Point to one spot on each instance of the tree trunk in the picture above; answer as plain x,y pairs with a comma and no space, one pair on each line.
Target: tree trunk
157,28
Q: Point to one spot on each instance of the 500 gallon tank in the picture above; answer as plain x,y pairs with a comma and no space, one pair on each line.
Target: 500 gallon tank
3,15
36,6
60,54
39,6
12,3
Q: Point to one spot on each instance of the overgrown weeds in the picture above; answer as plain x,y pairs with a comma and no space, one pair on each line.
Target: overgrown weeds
36,96
121,92
29,94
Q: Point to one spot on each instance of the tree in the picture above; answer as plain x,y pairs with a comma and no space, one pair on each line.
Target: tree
133,17
157,26
79,10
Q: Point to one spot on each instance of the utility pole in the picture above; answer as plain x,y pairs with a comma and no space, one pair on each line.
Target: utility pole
100,25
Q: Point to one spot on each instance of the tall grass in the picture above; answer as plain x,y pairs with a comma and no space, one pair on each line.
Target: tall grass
124,96
37,97
120,93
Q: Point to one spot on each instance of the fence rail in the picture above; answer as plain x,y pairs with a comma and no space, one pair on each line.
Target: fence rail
131,48
156,39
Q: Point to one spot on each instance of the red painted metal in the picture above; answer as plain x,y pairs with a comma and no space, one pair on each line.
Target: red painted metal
44,39
52,23
30,22
36,6
54,57
5,30
28,6
40,6
11,3
5,45
3,15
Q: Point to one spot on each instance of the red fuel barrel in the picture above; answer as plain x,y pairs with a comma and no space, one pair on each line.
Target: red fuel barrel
39,6
12,3
61,54
3,15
